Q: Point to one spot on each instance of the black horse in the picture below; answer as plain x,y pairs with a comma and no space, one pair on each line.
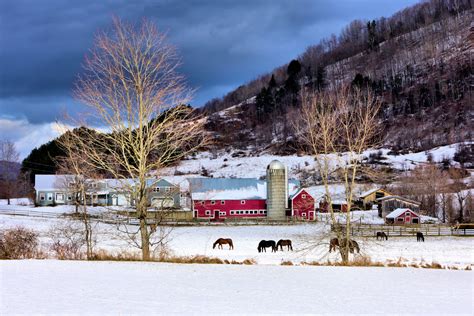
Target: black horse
284,242
382,235
420,237
265,244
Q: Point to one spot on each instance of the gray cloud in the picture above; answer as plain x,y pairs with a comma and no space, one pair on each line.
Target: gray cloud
223,43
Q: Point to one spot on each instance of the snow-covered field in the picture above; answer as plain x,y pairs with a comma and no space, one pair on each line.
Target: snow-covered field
117,288
310,242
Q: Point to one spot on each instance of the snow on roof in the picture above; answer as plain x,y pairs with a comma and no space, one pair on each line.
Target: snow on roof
232,189
369,192
398,197
399,211
51,182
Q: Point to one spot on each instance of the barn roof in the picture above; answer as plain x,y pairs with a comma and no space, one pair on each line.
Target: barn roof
232,188
397,197
399,211
369,192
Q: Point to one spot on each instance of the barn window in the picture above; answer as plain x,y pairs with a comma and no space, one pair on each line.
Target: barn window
242,201
208,212
415,221
303,214
222,202
407,213
202,202
303,196
231,212
213,202
400,219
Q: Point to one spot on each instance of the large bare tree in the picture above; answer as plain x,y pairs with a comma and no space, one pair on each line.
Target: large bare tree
132,88
8,170
336,127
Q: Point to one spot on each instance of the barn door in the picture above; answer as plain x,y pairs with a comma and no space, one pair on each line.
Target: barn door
216,214
407,219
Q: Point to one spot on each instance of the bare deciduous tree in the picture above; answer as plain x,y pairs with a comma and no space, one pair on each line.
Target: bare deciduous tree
8,170
131,86
75,182
336,127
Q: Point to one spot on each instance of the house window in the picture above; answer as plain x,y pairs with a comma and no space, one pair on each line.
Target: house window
42,196
222,202
303,196
59,197
69,197
242,201
167,189
71,184
156,189
213,202
50,196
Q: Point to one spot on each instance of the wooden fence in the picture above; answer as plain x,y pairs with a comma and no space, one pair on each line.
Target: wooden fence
370,230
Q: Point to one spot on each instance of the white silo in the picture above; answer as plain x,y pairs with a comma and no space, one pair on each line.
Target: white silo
277,190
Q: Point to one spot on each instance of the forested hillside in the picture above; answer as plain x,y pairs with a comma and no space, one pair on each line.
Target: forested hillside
419,61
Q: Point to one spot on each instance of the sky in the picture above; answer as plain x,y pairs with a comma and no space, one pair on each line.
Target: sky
222,44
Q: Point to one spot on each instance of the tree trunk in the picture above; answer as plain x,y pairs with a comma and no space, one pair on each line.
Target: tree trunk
145,239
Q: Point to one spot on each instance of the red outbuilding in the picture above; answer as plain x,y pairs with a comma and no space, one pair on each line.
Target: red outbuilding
402,216
302,205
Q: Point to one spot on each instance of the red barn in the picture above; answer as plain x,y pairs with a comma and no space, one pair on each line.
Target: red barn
302,205
402,216
222,209
219,198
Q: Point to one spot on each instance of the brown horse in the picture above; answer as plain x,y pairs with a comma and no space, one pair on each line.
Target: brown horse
223,241
382,235
284,242
333,243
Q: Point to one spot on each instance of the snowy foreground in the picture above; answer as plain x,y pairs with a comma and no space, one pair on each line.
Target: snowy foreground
65,287
310,243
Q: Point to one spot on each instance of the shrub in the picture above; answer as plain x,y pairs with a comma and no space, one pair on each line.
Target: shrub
286,263
18,243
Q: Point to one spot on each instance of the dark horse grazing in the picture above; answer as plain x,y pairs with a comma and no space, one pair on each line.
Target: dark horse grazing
420,237
223,241
382,235
333,243
265,244
284,242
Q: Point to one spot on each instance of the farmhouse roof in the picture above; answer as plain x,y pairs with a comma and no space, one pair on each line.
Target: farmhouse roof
52,182
397,197
232,189
399,211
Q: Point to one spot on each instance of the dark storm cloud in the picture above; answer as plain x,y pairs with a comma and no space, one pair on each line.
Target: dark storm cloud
223,43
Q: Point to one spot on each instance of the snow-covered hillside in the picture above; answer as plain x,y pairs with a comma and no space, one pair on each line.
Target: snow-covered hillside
246,165
123,288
